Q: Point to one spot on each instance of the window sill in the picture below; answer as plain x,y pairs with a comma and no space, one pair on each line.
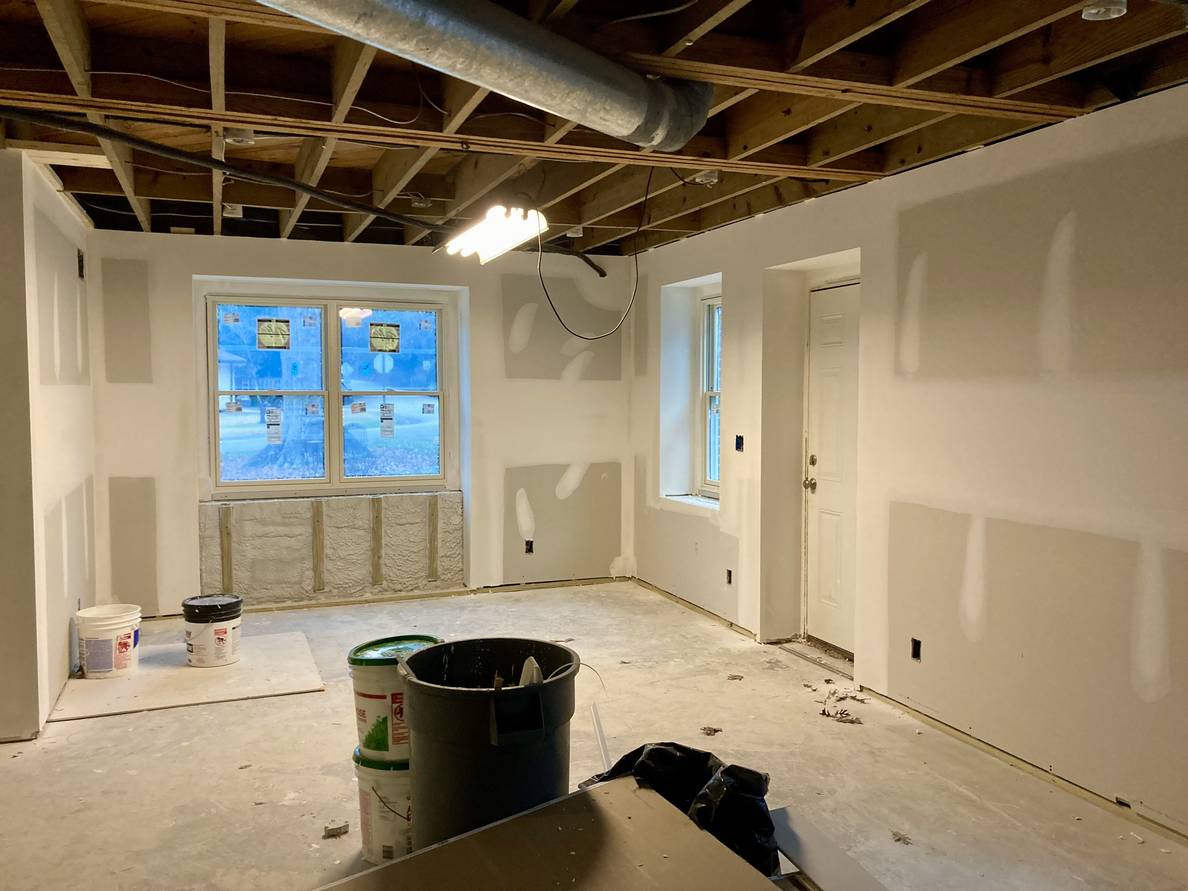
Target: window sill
695,505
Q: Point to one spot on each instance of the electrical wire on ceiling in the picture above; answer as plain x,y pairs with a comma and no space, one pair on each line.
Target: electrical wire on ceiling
655,14
99,131
634,288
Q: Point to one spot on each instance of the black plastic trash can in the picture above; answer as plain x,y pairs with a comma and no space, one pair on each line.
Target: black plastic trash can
479,754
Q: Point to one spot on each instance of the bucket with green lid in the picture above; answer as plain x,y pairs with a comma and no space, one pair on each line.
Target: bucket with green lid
379,694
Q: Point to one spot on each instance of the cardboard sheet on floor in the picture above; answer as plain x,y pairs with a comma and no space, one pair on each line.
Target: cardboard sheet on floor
612,837
269,665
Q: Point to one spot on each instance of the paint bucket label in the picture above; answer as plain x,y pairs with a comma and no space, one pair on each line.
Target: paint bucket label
385,814
211,644
379,713
123,651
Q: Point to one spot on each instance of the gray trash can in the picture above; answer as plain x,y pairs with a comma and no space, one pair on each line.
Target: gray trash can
480,754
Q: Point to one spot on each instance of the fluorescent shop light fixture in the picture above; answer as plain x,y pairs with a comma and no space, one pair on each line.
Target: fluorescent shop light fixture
497,233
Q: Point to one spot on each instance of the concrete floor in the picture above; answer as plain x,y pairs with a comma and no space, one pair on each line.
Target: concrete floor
234,795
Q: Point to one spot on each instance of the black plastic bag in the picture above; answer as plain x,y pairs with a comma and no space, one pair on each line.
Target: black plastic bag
726,800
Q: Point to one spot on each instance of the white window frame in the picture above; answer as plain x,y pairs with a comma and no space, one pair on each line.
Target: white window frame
706,487
335,480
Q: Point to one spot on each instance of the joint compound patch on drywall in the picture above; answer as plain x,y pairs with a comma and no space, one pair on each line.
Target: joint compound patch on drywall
535,344
1151,628
575,536
1045,294
63,341
127,333
132,511
973,581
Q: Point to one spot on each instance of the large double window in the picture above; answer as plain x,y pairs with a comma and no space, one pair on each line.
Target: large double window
325,393
710,426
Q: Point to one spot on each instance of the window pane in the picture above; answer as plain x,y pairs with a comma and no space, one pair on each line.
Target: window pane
271,438
715,332
713,440
391,435
269,347
388,349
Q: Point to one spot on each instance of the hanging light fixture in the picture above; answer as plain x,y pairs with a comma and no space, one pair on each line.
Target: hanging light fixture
497,233
1104,11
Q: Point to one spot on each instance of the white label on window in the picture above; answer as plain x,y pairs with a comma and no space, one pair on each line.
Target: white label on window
428,408
426,324
311,409
233,407
358,408
230,318
272,425
387,421
310,321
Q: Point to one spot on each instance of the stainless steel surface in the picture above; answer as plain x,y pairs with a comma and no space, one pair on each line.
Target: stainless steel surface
479,42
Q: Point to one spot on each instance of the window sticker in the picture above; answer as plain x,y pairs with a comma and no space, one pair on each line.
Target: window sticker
358,408
385,337
233,407
428,408
312,408
387,421
272,425
230,318
272,334
426,324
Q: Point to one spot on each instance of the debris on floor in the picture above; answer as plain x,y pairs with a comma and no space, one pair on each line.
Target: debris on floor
244,766
734,677
829,680
335,828
562,640
775,665
1141,840
809,686
831,708
711,731
901,838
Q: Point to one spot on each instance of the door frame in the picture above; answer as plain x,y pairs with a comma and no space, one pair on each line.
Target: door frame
830,285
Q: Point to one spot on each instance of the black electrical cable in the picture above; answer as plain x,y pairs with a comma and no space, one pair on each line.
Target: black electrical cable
634,288
99,131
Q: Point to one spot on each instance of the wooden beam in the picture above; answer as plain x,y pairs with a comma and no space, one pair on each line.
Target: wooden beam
676,203
70,35
949,137
60,153
348,69
768,118
1074,44
681,30
828,26
948,32
217,54
396,169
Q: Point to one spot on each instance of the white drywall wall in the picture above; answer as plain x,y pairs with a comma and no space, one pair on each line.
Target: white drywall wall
512,422
47,482
1022,361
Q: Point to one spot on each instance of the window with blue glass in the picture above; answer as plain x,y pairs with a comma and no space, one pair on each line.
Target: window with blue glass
710,449
278,369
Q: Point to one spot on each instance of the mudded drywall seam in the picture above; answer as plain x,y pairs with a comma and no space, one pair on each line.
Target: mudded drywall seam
431,537
377,540
319,546
225,547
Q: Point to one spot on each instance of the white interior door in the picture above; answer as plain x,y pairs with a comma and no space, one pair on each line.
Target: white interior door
830,464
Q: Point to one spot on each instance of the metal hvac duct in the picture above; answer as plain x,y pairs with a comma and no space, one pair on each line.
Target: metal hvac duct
479,42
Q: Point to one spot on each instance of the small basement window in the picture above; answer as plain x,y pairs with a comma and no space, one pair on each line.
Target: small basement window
710,416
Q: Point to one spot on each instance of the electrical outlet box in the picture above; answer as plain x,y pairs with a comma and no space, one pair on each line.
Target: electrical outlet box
738,443
528,546
730,576
916,647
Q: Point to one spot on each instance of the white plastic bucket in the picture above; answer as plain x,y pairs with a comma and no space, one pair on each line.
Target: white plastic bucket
379,694
212,629
108,639
385,808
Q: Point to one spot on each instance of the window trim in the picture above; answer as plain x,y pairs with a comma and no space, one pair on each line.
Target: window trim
706,488
335,482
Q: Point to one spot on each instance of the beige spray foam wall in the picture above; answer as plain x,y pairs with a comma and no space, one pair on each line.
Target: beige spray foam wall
324,549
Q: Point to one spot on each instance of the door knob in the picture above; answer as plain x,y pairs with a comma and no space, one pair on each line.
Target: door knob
810,483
